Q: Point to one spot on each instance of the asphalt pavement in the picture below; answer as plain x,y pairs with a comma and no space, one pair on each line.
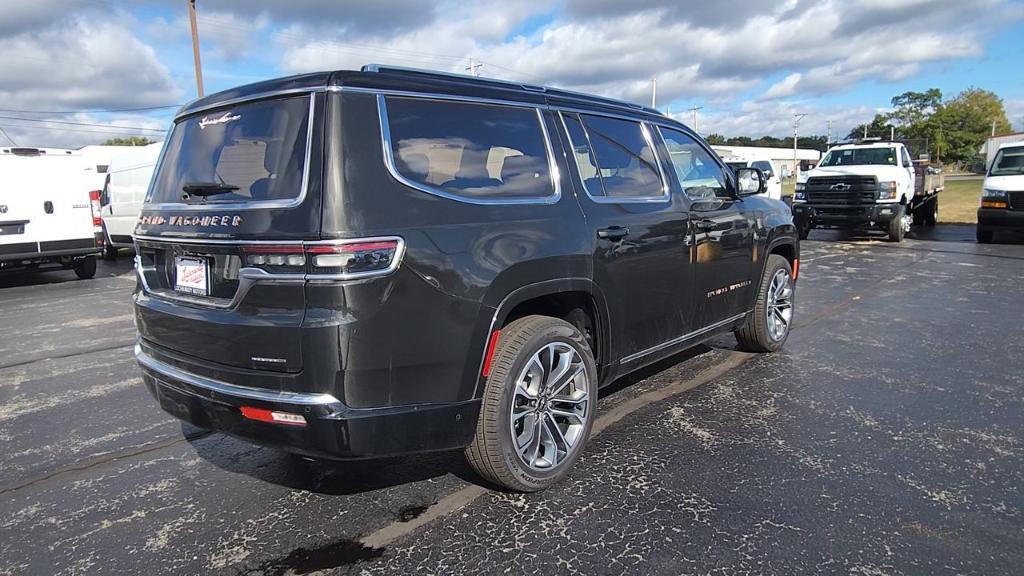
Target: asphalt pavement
886,438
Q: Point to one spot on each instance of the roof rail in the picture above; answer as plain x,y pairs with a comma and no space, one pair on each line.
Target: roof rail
509,83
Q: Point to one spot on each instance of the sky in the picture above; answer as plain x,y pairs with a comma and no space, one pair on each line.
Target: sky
76,72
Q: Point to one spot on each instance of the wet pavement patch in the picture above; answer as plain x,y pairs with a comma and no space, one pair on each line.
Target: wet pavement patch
410,513
306,561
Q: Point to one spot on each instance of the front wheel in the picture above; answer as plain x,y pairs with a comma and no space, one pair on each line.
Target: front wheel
768,326
538,405
897,226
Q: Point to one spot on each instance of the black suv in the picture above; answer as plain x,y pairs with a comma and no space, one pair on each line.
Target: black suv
366,263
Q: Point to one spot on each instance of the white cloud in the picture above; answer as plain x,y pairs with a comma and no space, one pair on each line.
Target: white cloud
775,118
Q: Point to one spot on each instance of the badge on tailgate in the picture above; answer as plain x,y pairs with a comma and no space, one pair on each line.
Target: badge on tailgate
191,275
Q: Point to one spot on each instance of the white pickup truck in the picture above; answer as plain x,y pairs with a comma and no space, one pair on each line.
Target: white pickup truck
868,185
49,215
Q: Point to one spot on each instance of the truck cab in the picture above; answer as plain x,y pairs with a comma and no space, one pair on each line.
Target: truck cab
861,186
1002,197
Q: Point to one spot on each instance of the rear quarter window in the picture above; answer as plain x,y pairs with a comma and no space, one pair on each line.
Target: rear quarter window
471,151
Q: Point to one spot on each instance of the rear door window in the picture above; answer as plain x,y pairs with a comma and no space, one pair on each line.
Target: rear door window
615,157
252,152
469,151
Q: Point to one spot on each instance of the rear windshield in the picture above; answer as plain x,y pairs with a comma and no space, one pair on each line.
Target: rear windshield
1008,162
248,153
860,157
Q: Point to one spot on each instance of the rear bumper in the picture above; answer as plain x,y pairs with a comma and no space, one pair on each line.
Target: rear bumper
48,251
843,216
1001,218
333,430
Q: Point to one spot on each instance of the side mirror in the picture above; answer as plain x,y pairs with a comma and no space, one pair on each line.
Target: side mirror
750,181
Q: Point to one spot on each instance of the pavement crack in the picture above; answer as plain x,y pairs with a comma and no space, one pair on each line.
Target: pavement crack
91,463
68,355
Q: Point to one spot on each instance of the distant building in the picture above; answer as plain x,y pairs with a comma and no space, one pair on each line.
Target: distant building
782,158
991,146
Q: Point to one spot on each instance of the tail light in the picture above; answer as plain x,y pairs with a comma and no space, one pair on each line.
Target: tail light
332,260
94,203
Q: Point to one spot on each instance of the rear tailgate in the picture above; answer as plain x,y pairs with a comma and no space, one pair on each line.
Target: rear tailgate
232,180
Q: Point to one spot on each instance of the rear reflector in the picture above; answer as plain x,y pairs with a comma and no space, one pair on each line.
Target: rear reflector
491,345
263,415
796,268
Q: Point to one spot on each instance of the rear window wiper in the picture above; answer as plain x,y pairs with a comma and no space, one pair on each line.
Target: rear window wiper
205,189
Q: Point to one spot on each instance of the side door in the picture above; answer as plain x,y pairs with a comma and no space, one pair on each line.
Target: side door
641,260
724,231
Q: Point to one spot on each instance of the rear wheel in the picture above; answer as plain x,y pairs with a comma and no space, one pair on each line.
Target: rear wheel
931,214
897,227
538,405
984,236
85,268
767,328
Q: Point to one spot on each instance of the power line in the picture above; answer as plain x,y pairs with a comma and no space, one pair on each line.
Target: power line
83,130
6,135
137,128
91,111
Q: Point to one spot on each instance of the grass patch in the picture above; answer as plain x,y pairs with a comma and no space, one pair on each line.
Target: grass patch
958,203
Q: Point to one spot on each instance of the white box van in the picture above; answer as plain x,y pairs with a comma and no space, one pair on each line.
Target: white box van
127,182
48,214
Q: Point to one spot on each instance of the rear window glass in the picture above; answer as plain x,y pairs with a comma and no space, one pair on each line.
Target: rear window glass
614,157
478,151
248,153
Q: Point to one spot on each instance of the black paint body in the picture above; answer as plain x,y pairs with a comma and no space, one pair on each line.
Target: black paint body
402,354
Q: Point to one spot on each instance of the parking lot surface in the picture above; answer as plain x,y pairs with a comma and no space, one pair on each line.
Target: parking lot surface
887,438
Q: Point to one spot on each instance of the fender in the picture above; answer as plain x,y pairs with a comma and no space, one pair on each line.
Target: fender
499,314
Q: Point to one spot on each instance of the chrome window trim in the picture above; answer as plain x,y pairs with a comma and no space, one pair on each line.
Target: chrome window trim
253,205
665,197
234,390
683,338
389,158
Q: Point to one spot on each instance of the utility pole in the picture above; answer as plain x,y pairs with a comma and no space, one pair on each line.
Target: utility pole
892,133
694,111
828,139
195,46
474,67
796,126
993,128
654,93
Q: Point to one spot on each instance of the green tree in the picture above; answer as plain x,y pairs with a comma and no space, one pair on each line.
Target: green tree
965,122
129,141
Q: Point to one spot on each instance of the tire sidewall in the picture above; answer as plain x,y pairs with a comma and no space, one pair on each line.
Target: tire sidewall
774,265
555,331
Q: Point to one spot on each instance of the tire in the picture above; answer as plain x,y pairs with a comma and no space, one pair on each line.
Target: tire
931,215
495,452
85,268
984,236
760,332
895,227
109,252
803,231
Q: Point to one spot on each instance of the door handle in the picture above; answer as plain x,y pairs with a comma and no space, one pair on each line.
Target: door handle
613,233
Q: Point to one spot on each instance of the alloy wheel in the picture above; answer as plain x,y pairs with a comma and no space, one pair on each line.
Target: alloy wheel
780,305
550,407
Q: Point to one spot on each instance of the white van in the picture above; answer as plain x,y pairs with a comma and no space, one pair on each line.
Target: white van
48,213
128,177
1002,195
774,189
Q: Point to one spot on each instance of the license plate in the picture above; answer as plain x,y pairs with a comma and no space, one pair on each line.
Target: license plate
191,276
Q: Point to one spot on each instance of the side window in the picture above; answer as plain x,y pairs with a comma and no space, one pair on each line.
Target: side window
698,173
476,151
615,157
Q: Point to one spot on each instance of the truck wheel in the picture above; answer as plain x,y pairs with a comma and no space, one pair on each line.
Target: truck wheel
803,230
109,252
767,327
85,268
896,227
984,236
538,405
931,214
